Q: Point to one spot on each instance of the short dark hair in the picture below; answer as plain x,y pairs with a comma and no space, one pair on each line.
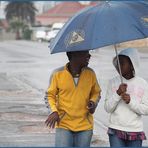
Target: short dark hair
70,53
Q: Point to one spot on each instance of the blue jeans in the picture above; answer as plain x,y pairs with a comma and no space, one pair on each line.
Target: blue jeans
67,138
118,142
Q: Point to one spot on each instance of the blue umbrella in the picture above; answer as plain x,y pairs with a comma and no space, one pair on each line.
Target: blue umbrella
105,24
101,25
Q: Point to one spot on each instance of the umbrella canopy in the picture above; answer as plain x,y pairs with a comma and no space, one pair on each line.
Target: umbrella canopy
101,25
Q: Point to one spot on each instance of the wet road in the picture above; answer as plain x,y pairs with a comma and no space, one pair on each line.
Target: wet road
25,68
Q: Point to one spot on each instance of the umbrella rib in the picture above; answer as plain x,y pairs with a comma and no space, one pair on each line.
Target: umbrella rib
144,35
93,31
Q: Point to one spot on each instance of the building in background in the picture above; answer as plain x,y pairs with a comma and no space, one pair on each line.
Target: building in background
61,12
43,6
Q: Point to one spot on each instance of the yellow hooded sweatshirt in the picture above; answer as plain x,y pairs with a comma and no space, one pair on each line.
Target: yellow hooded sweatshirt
70,100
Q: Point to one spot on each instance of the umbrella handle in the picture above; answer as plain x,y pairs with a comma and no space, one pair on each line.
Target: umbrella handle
121,78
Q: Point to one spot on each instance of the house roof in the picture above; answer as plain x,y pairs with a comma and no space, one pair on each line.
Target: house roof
93,3
60,13
63,9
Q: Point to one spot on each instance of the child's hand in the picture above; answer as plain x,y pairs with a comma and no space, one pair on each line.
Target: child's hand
91,107
126,98
52,119
122,89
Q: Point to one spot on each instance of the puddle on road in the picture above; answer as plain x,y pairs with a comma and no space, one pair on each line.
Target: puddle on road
144,58
9,83
20,62
35,128
14,107
18,93
16,116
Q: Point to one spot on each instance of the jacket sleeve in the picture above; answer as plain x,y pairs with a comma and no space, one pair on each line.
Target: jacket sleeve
52,93
95,94
142,107
112,99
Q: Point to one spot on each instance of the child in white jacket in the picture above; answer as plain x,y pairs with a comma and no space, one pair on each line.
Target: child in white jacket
127,102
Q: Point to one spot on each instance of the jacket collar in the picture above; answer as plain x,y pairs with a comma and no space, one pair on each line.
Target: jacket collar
66,67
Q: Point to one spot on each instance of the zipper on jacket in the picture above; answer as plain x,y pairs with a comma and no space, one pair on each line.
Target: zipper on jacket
74,80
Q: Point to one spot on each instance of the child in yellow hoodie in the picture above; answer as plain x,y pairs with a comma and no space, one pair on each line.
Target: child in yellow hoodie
73,95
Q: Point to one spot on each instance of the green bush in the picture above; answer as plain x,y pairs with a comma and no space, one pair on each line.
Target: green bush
27,34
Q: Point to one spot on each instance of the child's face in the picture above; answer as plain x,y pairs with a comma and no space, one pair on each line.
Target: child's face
81,58
126,67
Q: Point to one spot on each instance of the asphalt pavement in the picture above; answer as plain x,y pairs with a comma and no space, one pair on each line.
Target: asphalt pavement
25,68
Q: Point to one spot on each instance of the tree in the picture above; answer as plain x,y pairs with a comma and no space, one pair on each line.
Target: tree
17,27
20,14
24,11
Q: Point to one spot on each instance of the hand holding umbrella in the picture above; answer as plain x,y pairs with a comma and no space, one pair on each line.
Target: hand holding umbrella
126,98
122,89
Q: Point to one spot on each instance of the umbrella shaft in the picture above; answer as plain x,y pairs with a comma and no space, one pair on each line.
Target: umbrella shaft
118,63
